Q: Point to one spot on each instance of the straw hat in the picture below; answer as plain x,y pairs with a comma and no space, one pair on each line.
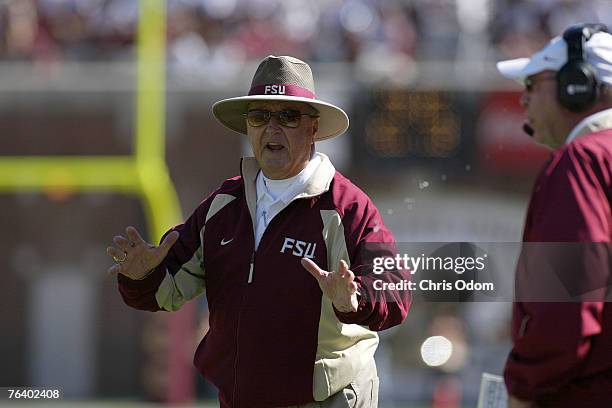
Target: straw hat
282,79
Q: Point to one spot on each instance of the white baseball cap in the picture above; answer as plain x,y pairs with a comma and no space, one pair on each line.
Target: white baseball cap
598,51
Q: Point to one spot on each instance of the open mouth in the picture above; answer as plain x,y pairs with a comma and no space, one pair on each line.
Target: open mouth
274,146
528,127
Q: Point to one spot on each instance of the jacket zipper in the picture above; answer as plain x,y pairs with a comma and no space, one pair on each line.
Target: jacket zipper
250,280
234,393
268,228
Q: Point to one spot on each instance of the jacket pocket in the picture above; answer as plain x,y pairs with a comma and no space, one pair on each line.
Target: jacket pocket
374,393
351,397
523,327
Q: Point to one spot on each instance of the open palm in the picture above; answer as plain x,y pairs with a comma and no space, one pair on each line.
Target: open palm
339,287
134,257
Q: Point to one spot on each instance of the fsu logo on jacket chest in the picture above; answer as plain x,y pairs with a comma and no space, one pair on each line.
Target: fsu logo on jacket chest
299,248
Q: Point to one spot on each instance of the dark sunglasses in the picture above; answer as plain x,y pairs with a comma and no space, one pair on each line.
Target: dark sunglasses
287,117
530,82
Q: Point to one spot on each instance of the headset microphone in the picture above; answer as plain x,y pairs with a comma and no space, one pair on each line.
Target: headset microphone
528,129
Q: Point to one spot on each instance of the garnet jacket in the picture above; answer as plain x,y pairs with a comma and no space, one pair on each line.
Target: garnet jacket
562,353
274,339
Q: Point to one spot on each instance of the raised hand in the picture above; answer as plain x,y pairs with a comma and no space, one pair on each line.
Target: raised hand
339,287
134,257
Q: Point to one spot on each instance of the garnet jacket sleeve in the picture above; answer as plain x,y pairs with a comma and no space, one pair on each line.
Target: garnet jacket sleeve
180,277
367,237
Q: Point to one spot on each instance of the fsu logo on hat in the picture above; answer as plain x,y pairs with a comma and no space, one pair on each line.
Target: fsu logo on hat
274,89
282,89
286,79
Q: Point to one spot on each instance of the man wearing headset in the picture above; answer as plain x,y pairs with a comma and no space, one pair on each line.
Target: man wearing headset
562,350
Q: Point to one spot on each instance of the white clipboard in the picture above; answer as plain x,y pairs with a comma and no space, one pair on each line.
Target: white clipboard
493,393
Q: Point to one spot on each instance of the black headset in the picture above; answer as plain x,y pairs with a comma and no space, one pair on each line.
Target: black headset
577,85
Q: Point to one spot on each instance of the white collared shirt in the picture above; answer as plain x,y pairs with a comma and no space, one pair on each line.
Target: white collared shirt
274,195
590,123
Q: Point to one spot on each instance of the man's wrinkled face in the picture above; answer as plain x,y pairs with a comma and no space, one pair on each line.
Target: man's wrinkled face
543,111
283,151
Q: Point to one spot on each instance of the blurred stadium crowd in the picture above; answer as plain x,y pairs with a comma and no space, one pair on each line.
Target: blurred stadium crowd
223,33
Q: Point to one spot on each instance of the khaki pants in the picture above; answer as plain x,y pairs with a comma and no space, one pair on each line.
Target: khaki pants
362,392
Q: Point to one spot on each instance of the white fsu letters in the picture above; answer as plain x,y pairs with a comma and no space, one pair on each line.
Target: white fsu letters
299,248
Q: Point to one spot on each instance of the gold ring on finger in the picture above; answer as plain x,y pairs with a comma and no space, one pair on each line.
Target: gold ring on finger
120,260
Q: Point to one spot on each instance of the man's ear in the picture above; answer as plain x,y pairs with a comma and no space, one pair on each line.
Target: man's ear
315,128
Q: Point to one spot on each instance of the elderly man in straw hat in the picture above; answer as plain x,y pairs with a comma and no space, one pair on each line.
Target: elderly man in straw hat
283,254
